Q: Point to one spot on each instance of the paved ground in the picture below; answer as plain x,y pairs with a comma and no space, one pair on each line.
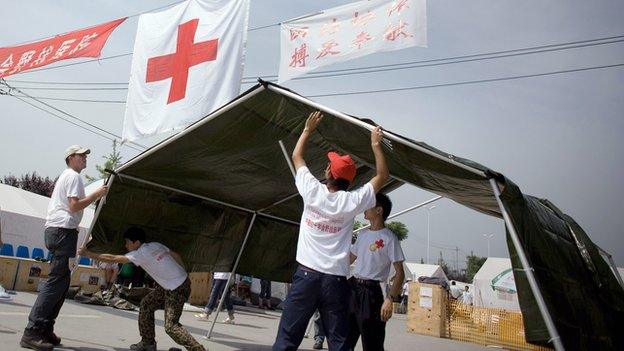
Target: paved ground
99,328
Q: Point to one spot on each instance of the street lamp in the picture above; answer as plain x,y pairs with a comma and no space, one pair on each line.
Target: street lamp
488,237
429,228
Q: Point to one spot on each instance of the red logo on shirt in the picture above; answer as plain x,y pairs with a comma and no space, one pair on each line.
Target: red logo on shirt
377,245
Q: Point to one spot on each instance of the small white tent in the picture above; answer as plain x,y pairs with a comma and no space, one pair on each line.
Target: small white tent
417,270
494,285
23,217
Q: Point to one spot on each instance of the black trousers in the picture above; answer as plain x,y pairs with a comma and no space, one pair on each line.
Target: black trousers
310,291
365,316
62,245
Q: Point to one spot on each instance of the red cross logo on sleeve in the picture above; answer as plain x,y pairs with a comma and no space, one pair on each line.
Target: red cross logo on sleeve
176,65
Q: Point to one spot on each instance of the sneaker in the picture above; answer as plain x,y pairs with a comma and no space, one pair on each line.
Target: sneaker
141,346
229,320
32,339
202,316
52,338
318,345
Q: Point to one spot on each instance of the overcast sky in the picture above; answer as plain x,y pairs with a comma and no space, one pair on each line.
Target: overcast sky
556,136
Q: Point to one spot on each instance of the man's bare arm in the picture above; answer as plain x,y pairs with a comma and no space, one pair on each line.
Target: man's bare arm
103,257
311,123
177,258
381,167
76,204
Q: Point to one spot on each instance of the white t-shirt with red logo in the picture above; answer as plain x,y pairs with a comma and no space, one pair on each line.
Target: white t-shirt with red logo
376,250
327,223
156,260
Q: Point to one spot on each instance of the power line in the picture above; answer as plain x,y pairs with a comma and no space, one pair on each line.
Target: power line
66,114
467,82
414,87
399,66
71,89
76,100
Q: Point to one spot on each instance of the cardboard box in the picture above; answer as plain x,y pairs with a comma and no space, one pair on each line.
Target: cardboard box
200,288
8,271
88,278
28,274
426,309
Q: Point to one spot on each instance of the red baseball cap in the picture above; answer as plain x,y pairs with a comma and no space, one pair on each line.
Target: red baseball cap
341,166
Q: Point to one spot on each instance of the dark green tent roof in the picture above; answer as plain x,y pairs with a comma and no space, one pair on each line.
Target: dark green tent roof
197,191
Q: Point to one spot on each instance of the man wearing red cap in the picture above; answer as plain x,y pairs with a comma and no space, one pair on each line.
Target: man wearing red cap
320,281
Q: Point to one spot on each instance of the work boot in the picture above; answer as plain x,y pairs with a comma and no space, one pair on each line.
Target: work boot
34,339
142,346
52,338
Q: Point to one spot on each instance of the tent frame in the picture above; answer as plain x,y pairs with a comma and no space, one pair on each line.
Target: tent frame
555,338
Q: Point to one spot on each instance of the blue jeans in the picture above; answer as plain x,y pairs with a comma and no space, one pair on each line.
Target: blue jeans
218,285
310,291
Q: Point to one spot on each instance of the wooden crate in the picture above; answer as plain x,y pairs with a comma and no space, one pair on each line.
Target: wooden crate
200,288
426,309
90,279
28,274
8,271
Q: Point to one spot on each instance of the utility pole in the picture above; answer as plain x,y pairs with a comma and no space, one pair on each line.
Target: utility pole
456,260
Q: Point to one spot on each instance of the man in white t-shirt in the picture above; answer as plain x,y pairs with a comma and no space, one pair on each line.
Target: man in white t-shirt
374,251
65,209
456,291
320,281
172,290
466,296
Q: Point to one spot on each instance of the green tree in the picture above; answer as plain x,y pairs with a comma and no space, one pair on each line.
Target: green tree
473,265
112,161
32,182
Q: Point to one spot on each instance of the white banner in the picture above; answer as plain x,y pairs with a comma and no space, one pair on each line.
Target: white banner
346,32
187,62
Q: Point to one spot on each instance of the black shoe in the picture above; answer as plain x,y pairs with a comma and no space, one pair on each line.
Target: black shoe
318,345
52,338
33,339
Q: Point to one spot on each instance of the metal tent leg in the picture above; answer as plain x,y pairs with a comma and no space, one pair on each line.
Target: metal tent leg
550,325
240,252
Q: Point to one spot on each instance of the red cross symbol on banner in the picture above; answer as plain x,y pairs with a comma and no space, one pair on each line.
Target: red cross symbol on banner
176,66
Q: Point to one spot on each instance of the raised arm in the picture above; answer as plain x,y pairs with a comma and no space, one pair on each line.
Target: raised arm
76,204
103,257
311,123
381,167
177,258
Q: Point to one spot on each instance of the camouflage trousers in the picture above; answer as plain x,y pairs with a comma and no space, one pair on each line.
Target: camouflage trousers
172,301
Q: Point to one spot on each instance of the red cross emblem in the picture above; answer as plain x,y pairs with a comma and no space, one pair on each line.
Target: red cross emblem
176,66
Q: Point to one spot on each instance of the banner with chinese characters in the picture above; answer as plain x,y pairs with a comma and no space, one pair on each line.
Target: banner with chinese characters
81,43
350,31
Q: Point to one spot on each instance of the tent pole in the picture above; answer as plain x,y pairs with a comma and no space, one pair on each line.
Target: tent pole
95,216
205,198
240,252
288,160
537,294
279,202
404,211
612,264
369,127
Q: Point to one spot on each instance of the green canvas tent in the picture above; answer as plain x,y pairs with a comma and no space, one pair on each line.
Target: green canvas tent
223,189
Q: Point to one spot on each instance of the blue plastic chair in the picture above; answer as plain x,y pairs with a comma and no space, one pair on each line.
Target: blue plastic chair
7,250
22,251
38,253
85,261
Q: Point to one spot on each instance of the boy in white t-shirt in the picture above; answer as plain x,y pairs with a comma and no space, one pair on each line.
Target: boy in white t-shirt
172,290
320,281
375,250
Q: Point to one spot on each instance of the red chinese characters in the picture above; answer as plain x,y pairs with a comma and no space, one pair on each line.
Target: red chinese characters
361,39
330,28
328,49
394,32
362,20
298,33
299,56
397,6
81,43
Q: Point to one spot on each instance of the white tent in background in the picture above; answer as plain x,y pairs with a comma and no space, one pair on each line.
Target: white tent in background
23,218
494,285
416,270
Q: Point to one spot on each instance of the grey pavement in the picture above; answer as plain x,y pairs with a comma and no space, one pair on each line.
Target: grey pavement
99,328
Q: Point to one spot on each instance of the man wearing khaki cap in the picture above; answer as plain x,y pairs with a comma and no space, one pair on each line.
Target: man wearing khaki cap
65,210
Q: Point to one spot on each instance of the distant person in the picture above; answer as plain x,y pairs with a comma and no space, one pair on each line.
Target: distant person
110,273
3,293
320,281
220,289
466,297
375,251
456,291
264,299
65,210
173,288
405,292
319,332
